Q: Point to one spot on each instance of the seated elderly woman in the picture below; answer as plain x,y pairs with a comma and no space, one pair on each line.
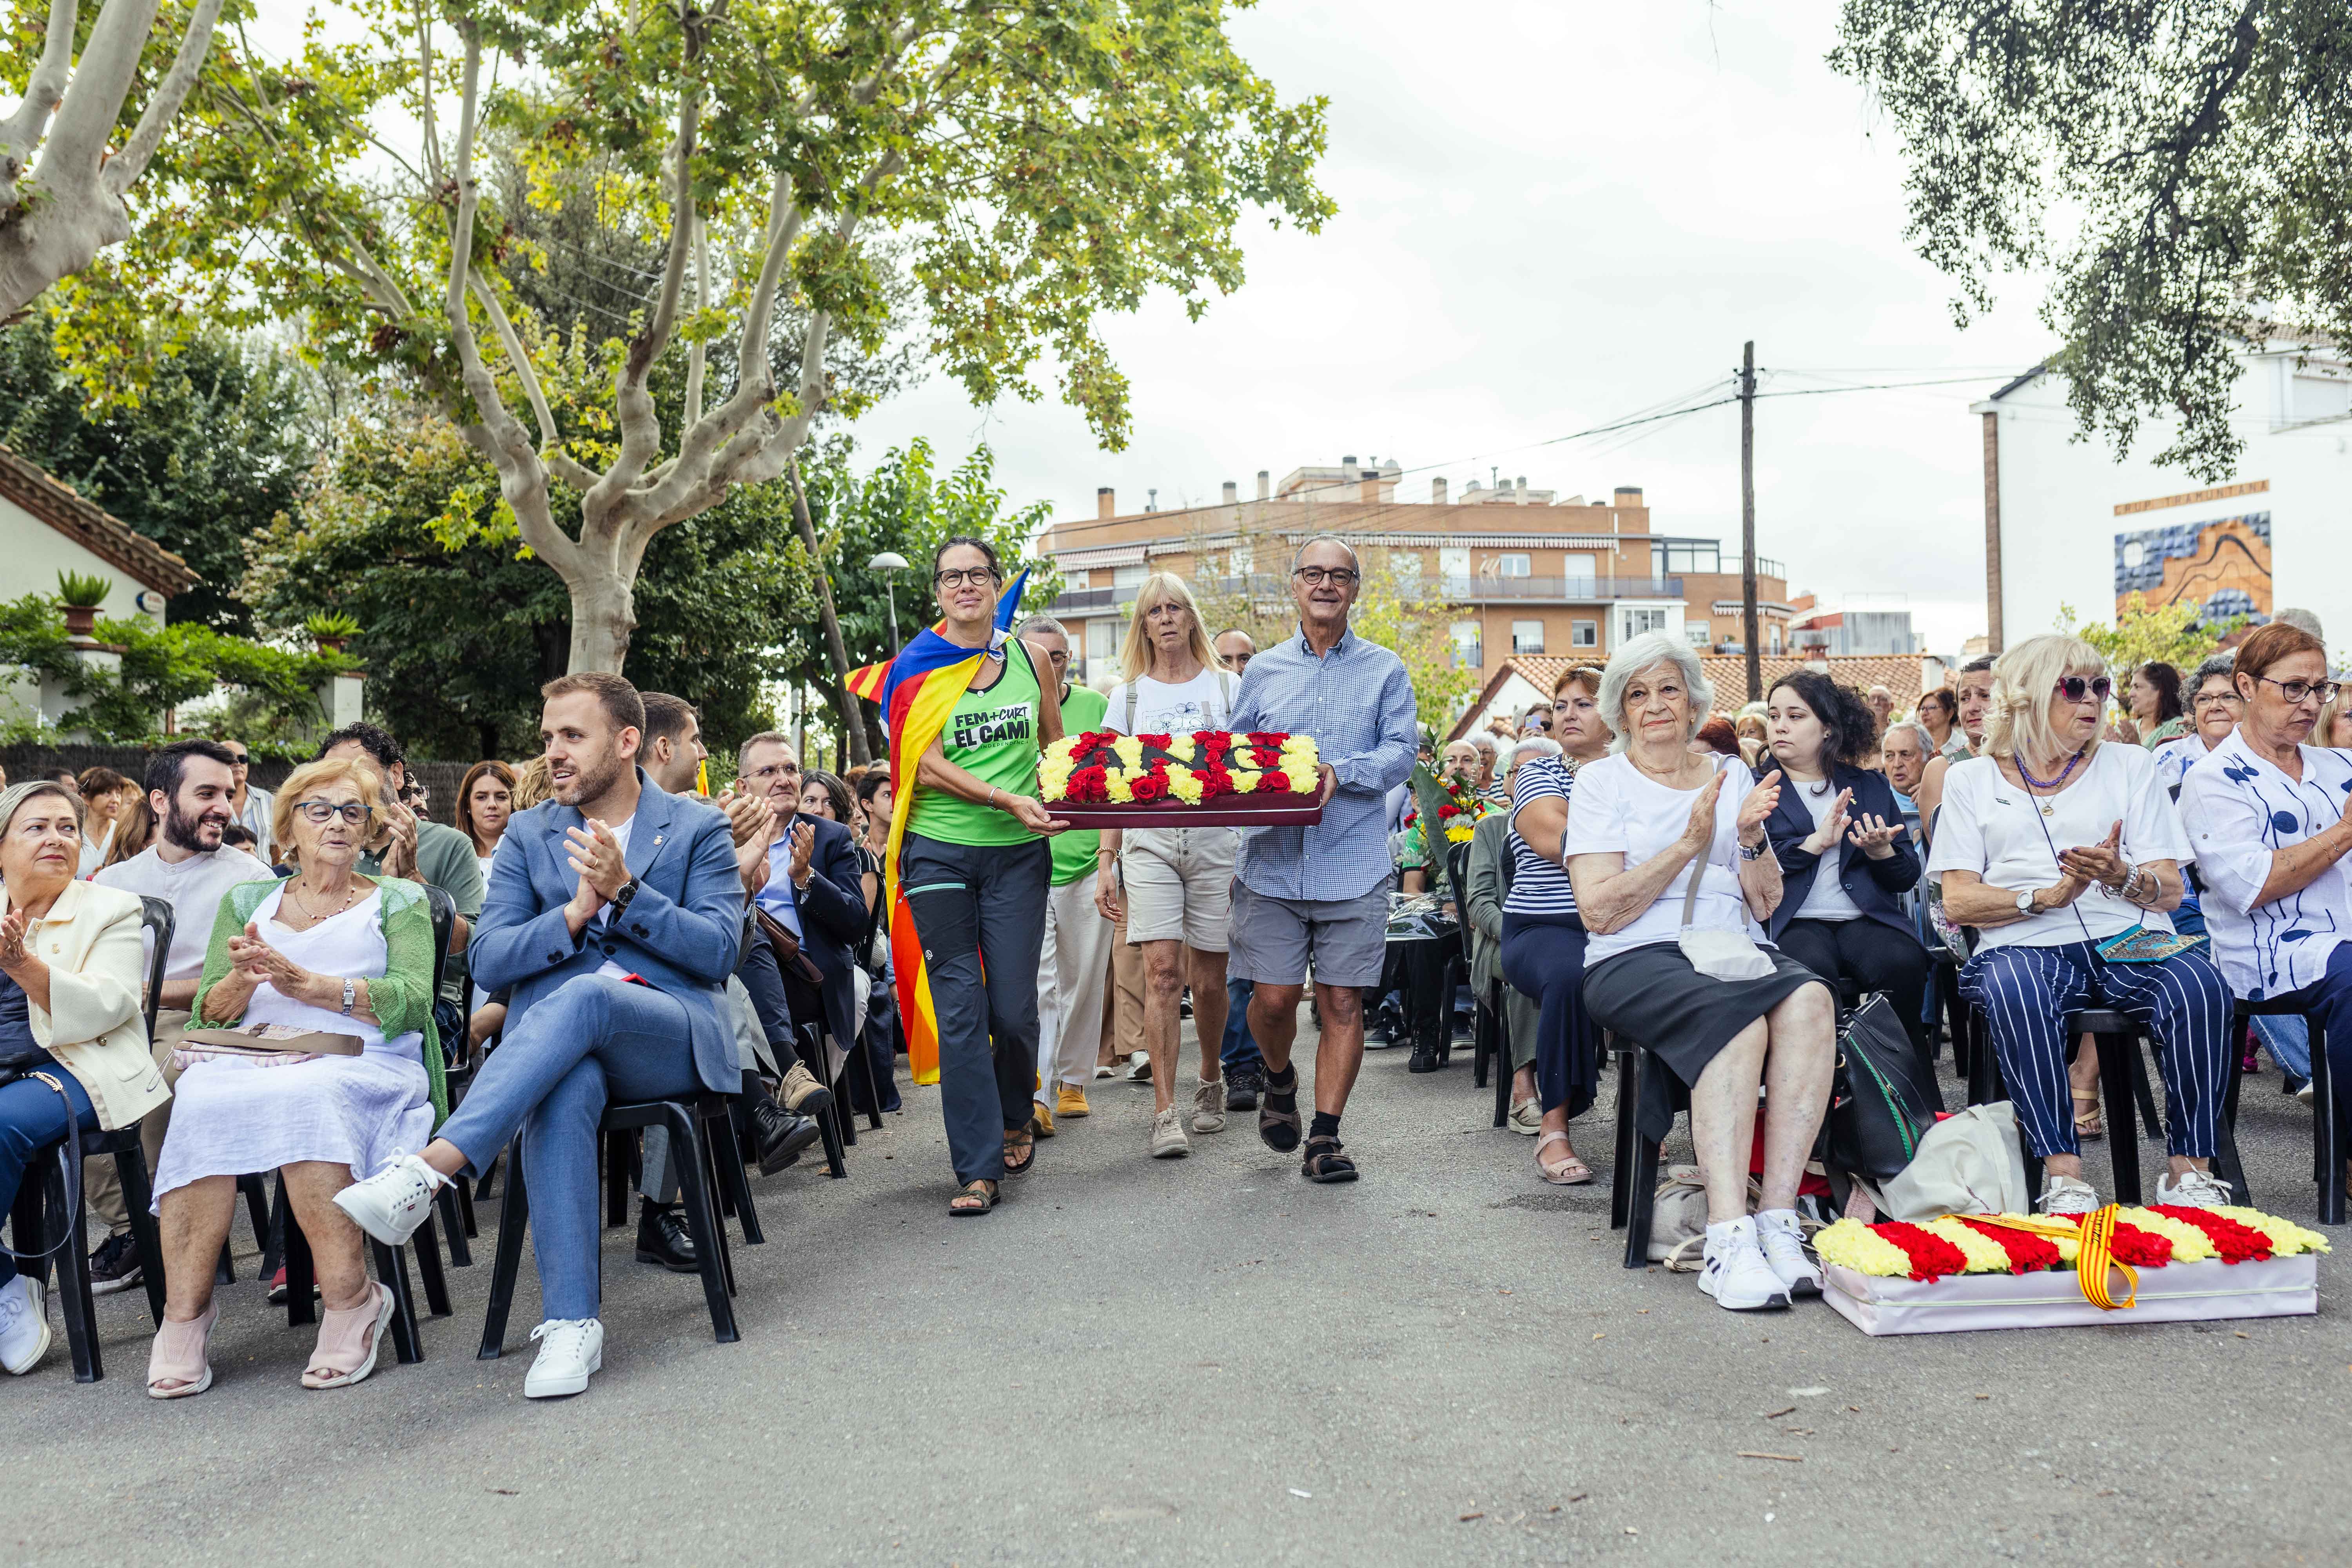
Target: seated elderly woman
1845,859
2213,705
1664,848
2054,846
2265,812
73,1042
326,950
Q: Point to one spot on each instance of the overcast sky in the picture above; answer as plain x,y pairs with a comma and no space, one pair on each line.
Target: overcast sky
1551,217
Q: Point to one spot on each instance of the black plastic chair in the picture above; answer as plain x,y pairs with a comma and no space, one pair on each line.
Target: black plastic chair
1633,1168
685,1119
391,1270
454,1200
837,1125
2329,1135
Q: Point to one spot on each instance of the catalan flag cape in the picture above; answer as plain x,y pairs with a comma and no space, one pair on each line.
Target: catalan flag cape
919,689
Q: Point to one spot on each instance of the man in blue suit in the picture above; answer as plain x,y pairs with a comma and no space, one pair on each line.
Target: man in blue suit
614,915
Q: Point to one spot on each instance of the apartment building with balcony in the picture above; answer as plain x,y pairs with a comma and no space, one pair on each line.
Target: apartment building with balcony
1523,571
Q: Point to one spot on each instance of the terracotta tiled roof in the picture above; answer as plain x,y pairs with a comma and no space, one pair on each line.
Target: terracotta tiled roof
1899,673
93,528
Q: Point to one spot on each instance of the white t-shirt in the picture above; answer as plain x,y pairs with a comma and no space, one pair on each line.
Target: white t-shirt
620,832
1161,709
193,888
1827,898
1991,826
1617,809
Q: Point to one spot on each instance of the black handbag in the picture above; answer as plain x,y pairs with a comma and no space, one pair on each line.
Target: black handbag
1879,1109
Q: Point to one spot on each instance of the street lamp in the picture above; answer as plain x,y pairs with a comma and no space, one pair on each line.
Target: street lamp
891,564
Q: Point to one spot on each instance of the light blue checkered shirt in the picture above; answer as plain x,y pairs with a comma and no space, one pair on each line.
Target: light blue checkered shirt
1357,703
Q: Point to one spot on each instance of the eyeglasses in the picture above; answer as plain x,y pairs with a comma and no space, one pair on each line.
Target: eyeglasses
2219,699
2296,692
772,771
957,576
2075,687
351,811
1337,576
239,758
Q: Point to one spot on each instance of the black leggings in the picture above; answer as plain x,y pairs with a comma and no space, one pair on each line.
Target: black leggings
1877,958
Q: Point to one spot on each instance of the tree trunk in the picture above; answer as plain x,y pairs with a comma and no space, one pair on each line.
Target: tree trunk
603,614
853,726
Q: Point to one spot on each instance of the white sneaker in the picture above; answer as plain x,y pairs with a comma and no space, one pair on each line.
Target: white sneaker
2065,1195
1168,1140
1209,1106
2193,1190
1138,1066
1734,1272
1783,1241
570,1349
391,1205
24,1326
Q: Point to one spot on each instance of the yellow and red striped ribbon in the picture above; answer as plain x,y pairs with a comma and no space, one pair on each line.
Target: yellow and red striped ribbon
2094,1255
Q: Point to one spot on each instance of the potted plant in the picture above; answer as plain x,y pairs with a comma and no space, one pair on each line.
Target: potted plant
330,632
81,596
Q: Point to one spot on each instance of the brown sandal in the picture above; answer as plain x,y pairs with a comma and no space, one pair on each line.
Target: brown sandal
1324,1162
1570,1172
984,1192
1023,1142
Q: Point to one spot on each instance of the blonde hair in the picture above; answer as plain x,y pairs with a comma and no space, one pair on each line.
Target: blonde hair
532,786
1135,650
2025,682
359,772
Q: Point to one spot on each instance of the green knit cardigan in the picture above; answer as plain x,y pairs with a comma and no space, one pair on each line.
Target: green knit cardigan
401,997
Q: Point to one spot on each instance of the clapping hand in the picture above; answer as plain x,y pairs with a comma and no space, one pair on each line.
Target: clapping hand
752,854
746,816
595,856
264,965
804,843
1873,837
12,940
2102,862
1700,832
1760,801
1825,837
399,857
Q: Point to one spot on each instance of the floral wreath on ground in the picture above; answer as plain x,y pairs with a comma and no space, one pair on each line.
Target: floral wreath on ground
1101,765
2144,1238
1460,811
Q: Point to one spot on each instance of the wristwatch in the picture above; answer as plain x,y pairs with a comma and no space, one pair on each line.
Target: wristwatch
1755,854
620,897
350,994
2025,902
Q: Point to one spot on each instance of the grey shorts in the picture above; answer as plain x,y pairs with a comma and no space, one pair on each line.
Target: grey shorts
1178,882
1274,940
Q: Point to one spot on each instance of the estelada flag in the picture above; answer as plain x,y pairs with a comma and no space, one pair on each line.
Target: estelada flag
919,687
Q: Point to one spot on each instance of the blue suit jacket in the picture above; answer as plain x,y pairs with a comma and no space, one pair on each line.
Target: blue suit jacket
1876,887
834,920
681,931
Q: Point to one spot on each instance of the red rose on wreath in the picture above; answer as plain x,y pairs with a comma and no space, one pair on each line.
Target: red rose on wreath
1214,781
1150,786
1089,784
1273,782
1265,756
1274,737
1157,742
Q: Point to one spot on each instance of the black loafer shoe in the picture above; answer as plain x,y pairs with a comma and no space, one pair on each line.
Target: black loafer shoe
663,1238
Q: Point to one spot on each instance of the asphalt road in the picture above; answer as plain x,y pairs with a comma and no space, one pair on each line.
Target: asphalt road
1209,1361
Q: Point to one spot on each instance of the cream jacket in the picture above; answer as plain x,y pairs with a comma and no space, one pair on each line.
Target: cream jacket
96,1027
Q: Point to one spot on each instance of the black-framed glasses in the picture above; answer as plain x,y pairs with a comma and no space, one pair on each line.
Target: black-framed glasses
2296,692
957,576
2075,687
352,811
1337,576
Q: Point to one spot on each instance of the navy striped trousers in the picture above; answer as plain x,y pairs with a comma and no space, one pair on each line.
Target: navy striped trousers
2025,993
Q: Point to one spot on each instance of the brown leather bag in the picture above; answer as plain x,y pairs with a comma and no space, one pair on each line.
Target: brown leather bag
787,948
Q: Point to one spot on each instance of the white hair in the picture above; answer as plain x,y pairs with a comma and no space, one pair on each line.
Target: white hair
1314,538
1926,742
1644,653
1481,739
1533,746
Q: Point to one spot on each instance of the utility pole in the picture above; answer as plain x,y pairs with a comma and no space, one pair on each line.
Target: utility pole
1749,630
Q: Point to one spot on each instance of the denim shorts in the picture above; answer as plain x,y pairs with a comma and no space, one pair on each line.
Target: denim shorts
1276,940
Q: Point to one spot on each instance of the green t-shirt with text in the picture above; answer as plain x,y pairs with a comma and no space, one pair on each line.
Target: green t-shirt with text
993,736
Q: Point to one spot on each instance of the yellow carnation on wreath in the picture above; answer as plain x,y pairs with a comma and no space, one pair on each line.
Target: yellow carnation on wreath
1245,780
1184,784
1853,1245
2287,1239
1063,751
1128,750
1116,786
1302,778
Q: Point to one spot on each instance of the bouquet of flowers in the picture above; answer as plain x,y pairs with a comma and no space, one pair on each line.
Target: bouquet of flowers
1101,767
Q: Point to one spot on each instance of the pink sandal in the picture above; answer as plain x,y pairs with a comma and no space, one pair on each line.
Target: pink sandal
179,1355
348,1341
1570,1172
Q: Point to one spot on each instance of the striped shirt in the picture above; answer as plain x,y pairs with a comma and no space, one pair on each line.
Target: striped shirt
1539,887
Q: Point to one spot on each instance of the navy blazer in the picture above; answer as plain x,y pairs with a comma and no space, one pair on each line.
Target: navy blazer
1876,887
681,931
834,920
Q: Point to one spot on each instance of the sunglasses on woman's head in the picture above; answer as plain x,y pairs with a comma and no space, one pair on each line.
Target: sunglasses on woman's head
2075,687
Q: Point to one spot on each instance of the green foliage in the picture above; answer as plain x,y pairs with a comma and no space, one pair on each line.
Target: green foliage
2178,168
331,624
83,590
2174,634
209,452
402,532
904,506
161,667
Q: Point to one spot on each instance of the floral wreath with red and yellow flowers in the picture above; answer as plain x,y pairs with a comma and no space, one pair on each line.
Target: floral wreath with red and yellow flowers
1101,765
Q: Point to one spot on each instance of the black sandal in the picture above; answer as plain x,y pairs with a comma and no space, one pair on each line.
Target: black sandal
1278,1126
1324,1162
985,1191
1025,1139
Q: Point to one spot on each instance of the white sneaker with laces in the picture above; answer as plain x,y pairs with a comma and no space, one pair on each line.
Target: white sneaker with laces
1783,1241
1168,1140
391,1205
24,1326
1734,1272
570,1349
2193,1190
2066,1195
1209,1105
